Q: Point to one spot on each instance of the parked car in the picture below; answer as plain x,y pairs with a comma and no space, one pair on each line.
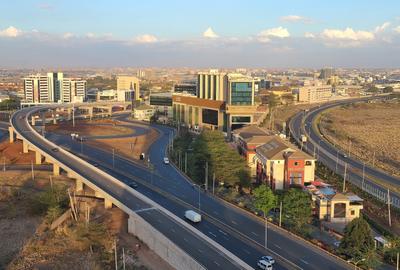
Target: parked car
269,259
166,160
192,216
264,265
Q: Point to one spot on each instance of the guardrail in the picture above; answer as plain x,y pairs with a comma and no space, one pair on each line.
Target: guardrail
115,201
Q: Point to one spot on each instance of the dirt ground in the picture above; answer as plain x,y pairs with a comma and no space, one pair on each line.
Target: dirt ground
371,131
11,153
89,128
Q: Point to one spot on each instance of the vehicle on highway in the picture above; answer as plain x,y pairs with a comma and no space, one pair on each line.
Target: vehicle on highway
264,265
133,185
344,155
193,216
142,156
55,149
166,160
95,164
269,259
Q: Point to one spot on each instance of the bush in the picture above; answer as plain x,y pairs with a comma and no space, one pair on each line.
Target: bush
49,198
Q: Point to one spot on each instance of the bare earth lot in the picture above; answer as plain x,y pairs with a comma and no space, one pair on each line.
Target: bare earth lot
371,131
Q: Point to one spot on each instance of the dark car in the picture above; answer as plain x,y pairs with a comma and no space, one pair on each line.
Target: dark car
133,185
55,149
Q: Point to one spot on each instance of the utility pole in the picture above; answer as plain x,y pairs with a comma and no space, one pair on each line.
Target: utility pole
73,115
280,215
206,177
81,145
213,183
123,258
266,231
344,177
33,173
349,147
363,176
199,200
397,262
185,162
337,160
388,203
115,255
373,160
113,158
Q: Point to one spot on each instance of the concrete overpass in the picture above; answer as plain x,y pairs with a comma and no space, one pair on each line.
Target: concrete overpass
180,244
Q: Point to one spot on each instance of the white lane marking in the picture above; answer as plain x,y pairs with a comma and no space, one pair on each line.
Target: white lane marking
254,233
224,233
201,251
184,239
245,250
172,230
234,222
217,263
212,234
277,246
305,262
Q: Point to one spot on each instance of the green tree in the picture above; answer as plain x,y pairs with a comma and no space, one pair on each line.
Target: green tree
387,89
358,243
296,208
264,199
373,89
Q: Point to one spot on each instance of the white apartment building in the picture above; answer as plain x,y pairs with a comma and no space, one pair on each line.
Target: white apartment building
53,87
315,93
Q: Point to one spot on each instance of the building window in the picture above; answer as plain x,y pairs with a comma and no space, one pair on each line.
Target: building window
296,163
241,93
339,210
308,163
352,212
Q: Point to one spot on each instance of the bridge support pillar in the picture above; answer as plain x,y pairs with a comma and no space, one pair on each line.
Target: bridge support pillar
56,169
98,194
90,110
107,203
11,132
25,146
131,225
78,185
38,158
33,119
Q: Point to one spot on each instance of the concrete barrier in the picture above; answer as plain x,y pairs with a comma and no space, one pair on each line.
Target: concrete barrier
161,245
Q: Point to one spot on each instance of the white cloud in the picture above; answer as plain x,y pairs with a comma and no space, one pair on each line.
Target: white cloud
382,27
347,37
295,18
278,32
309,35
68,35
10,32
397,29
146,38
90,35
209,33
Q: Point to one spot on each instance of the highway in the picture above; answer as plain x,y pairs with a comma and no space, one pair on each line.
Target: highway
200,249
235,229
335,159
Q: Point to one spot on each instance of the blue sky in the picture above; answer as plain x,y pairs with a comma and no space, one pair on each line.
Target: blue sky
191,33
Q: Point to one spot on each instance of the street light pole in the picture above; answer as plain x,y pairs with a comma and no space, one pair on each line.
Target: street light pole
113,158
280,215
337,160
266,231
363,176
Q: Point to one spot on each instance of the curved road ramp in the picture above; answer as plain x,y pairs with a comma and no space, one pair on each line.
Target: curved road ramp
177,242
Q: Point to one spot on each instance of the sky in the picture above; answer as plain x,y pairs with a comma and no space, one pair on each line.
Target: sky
200,34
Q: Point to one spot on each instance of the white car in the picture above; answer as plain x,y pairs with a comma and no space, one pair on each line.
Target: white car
269,259
192,216
166,160
264,265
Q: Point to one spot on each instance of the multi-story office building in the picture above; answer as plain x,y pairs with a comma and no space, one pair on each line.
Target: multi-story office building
224,101
130,85
53,87
326,73
315,93
73,90
212,85
186,88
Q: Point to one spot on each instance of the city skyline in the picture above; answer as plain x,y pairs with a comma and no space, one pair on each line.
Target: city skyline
177,34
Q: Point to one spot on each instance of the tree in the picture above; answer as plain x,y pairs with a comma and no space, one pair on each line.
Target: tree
387,89
296,208
373,89
264,199
358,243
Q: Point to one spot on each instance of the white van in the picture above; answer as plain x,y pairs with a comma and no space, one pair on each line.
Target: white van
192,216
264,265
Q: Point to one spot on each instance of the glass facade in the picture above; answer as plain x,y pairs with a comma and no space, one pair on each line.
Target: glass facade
160,101
241,93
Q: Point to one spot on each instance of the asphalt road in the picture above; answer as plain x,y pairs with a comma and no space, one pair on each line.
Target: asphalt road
238,231
198,248
335,158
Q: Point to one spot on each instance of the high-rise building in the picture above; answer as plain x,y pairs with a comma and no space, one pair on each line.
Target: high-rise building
326,73
212,85
73,90
186,88
129,84
53,87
